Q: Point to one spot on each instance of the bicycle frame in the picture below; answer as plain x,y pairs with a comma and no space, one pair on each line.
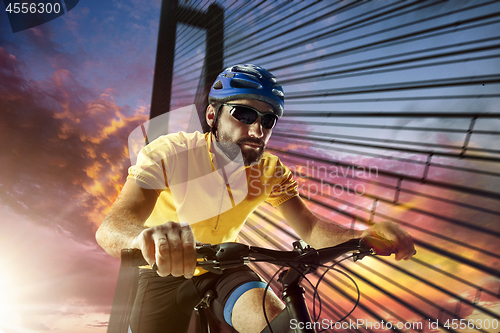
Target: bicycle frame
296,309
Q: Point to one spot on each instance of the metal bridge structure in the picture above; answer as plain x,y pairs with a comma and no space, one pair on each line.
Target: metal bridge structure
392,112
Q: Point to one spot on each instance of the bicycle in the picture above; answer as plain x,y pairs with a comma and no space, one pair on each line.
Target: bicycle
302,260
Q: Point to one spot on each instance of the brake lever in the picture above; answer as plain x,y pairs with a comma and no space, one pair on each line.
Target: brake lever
373,246
360,255
378,246
222,256
205,251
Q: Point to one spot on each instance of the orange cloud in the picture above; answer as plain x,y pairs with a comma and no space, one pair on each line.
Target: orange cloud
63,147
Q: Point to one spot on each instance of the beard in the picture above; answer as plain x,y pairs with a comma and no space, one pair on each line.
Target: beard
233,148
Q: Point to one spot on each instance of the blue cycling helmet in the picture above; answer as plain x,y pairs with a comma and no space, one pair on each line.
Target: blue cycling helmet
248,82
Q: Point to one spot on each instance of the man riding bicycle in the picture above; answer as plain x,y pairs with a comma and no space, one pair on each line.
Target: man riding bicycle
192,187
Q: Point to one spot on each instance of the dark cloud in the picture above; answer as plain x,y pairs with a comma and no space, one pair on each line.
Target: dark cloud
63,157
41,39
62,147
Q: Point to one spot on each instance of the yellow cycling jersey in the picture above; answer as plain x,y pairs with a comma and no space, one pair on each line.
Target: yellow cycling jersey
214,195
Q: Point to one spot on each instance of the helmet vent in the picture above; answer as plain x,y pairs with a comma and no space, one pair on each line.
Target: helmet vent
248,70
241,83
278,93
218,85
247,81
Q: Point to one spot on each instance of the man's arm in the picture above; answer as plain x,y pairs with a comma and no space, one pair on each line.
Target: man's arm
171,245
319,233
126,218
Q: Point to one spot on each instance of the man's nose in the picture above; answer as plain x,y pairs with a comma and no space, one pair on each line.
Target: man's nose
255,129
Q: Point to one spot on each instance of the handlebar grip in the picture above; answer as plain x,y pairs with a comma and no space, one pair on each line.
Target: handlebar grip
132,258
379,246
217,257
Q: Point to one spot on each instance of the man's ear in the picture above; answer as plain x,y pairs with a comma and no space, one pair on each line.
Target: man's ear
210,115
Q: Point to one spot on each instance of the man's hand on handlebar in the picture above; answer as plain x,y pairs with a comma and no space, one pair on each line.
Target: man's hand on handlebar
170,246
400,240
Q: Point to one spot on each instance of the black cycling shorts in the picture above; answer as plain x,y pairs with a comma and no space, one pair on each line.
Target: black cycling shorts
165,304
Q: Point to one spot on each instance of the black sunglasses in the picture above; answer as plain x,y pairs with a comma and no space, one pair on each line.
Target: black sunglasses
248,115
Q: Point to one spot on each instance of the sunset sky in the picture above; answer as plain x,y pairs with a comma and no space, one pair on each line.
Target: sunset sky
73,90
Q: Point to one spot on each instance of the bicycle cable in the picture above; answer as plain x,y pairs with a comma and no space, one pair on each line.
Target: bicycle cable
315,294
314,287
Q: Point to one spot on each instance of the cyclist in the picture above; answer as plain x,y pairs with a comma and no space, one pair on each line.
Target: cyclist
193,187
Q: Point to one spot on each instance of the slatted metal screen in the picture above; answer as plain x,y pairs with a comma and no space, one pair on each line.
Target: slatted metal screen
392,112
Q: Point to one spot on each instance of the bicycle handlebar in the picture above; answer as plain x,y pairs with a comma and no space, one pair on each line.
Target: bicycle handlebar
215,258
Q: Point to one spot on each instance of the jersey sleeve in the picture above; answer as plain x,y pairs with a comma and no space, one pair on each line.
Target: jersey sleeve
150,169
284,187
